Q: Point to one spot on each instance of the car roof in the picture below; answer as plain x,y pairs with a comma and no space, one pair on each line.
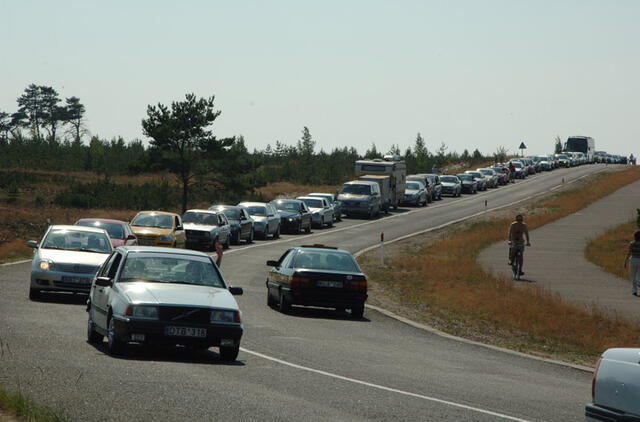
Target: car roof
156,249
319,193
77,228
157,212
101,220
361,182
308,197
227,207
202,211
252,204
287,200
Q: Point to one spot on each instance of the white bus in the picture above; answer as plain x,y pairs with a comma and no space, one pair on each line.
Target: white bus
583,144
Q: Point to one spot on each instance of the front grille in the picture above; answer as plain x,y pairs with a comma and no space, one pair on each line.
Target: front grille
180,314
199,234
75,286
76,268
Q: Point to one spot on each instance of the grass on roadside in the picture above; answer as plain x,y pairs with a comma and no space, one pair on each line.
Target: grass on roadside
608,250
443,282
23,408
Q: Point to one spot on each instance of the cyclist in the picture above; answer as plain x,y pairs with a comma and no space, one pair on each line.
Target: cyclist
517,232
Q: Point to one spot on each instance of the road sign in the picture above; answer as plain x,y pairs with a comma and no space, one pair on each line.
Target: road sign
522,146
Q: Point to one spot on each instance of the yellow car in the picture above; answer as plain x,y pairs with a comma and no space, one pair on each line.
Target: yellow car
159,228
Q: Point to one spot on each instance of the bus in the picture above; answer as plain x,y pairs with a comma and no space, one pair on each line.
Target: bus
583,144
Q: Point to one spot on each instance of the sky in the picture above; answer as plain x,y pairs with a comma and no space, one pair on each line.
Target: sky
469,74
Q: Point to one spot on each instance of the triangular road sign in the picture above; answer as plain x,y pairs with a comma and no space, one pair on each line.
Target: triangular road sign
522,146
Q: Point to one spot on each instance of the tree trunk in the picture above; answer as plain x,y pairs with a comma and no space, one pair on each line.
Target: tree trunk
185,192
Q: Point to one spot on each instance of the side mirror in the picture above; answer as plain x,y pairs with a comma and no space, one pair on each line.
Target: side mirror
32,244
236,291
179,228
131,237
272,263
104,281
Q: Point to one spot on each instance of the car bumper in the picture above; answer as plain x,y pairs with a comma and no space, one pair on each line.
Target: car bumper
324,299
198,242
287,225
411,201
357,209
155,332
597,413
61,281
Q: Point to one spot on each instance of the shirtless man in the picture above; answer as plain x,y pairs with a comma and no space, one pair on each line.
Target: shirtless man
517,232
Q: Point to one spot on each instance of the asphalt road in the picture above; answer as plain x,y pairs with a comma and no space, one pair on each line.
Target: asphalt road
311,365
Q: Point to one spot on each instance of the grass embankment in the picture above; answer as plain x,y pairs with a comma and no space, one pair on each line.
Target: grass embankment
18,407
608,250
442,284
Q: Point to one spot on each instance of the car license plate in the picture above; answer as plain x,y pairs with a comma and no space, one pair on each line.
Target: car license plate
76,280
185,331
334,284
145,242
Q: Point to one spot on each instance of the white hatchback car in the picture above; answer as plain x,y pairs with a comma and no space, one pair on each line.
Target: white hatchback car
163,296
67,258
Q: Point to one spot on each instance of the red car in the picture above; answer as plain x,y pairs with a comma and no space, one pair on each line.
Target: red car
119,232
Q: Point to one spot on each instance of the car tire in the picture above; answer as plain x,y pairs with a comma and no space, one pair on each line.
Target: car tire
271,302
115,346
93,337
283,304
308,229
34,294
276,235
235,238
357,311
340,309
251,235
227,244
229,354
330,224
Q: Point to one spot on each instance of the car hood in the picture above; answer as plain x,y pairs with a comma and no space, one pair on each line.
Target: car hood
71,257
468,182
449,184
150,231
411,191
351,196
314,209
178,295
287,214
259,218
200,227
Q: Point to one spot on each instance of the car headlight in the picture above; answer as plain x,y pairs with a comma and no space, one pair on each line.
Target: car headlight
142,311
225,316
46,265
167,238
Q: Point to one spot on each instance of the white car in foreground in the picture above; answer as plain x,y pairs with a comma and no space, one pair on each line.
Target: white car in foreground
615,388
67,258
163,296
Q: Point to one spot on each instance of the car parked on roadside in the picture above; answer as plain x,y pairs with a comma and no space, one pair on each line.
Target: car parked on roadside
67,258
562,160
479,177
204,228
436,186
451,185
361,197
266,220
240,221
119,232
294,215
502,172
335,204
490,175
317,275
520,170
159,228
468,182
161,296
415,194
422,178
321,210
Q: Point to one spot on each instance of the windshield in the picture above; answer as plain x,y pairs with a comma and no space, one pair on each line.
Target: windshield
412,185
205,218
232,213
162,269
487,172
71,240
498,169
115,230
448,179
313,203
517,164
476,174
258,210
287,206
356,189
325,260
162,221
467,177
328,196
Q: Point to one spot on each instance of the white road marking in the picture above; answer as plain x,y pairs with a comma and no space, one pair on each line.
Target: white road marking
15,262
382,387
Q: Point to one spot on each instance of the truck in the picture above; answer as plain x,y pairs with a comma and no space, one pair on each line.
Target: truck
391,166
384,181
615,388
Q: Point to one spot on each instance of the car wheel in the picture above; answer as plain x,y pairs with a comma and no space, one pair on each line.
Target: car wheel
251,235
227,243
114,345
271,302
330,224
298,229
339,309
229,354
283,304
92,336
276,235
235,238
308,229
212,247
34,294
357,311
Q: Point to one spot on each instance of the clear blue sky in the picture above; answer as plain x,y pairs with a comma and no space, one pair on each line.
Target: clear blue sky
471,74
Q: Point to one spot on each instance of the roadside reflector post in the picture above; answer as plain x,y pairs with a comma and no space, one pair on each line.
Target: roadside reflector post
563,180
382,249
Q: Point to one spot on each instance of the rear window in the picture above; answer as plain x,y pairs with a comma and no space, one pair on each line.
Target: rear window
325,260
356,189
115,230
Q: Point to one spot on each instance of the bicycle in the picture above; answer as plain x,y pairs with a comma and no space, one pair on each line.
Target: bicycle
516,268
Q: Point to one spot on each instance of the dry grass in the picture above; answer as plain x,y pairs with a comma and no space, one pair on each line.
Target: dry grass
292,190
608,250
444,283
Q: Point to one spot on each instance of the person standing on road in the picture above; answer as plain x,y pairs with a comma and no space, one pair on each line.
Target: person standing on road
517,232
633,257
512,172
434,169
219,249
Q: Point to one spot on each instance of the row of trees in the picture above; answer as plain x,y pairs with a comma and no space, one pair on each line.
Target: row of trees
42,112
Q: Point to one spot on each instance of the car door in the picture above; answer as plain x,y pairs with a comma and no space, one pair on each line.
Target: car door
328,211
272,219
277,275
224,230
100,294
245,224
181,236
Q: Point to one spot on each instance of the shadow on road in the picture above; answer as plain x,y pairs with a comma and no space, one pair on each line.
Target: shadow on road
63,298
322,313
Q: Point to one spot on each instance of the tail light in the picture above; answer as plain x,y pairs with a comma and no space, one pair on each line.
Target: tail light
297,281
593,380
358,285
